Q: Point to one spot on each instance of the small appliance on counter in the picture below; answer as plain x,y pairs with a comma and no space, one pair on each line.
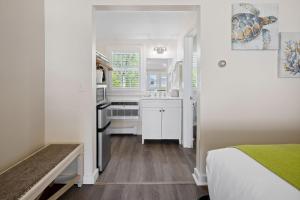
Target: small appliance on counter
99,75
174,93
100,94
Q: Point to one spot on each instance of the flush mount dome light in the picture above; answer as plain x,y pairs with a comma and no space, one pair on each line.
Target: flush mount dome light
160,50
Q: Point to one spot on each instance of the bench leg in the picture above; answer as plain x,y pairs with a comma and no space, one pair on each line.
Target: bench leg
80,169
61,191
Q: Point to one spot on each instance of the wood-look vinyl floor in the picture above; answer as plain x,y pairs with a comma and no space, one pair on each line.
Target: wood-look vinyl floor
135,192
155,162
154,171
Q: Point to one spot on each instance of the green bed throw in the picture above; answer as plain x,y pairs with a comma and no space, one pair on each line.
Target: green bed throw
281,159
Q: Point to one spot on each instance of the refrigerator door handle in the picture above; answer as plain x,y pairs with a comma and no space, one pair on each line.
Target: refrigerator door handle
104,128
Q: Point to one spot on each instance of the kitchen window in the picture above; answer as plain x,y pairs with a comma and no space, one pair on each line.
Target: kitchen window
126,70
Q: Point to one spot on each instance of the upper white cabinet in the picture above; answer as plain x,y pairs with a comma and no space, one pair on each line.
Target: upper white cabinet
161,119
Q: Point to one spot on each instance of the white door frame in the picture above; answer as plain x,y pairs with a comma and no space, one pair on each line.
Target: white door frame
146,6
187,92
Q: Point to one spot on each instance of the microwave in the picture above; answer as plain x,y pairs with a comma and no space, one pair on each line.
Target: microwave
100,94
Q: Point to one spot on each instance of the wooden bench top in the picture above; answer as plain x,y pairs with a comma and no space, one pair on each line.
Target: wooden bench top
19,179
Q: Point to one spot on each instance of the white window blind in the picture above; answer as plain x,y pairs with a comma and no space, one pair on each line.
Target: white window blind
126,70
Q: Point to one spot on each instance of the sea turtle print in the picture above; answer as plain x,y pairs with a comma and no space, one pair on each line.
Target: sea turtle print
248,25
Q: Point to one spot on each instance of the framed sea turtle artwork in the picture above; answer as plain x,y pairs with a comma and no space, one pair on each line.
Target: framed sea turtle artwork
289,55
254,26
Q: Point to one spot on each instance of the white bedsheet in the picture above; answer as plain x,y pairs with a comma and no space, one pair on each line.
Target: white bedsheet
232,175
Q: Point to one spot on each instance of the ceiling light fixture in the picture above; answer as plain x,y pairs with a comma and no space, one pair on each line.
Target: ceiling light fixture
160,50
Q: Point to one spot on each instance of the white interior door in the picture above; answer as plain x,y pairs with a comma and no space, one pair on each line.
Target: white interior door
188,99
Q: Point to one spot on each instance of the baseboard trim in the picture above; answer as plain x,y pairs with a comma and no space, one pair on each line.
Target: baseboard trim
199,180
92,178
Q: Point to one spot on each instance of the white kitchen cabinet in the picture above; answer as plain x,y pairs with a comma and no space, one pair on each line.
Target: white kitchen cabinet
161,119
151,123
171,123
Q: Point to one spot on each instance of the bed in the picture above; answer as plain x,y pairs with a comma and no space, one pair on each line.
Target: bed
233,175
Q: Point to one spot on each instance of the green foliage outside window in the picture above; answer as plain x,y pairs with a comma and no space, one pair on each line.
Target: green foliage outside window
125,70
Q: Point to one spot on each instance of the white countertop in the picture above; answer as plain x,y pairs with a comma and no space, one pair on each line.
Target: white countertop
161,98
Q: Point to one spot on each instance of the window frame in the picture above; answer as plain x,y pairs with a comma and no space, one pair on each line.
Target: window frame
126,50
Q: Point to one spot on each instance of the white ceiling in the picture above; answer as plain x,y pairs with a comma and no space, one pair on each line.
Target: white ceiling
143,24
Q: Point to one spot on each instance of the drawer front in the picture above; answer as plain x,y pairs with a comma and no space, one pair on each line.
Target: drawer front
161,103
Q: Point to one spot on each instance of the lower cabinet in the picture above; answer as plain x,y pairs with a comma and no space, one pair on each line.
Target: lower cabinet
151,123
171,123
161,119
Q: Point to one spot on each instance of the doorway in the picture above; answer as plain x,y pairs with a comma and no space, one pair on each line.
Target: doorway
132,161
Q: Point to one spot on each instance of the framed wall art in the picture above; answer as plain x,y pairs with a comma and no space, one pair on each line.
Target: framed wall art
255,26
289,55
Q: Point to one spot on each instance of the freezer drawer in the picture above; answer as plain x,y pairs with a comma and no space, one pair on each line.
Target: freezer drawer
103,148
102,115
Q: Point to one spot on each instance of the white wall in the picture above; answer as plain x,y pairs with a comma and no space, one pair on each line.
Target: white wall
242,103
70,100
70,83
245,102
142,24
21,79
146,49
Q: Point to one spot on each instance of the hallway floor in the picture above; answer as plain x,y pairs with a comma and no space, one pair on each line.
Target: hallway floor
154,171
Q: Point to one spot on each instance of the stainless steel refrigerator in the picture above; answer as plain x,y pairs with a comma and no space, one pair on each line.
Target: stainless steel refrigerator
103,136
